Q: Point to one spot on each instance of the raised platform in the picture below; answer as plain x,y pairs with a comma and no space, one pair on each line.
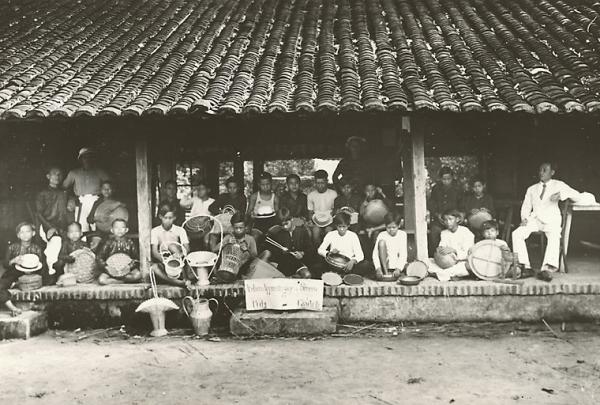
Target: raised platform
568,296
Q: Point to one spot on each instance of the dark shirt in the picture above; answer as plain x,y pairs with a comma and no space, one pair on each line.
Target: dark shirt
298,206
238,202
17,249
354,202
298,241
51,205
470,202
112,245
443,199
91,217
356,171
67,247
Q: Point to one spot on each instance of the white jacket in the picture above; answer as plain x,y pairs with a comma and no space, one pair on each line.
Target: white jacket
545,210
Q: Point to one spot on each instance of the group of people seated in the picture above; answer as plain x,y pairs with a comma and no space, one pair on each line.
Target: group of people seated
294,233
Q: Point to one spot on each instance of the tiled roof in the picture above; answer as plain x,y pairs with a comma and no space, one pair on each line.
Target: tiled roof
120,57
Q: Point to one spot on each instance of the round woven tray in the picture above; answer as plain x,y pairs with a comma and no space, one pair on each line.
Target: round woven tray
29,282
84,266
117,265
337,261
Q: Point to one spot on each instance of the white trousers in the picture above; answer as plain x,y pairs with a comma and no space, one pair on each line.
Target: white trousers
458,270
87,202
552,231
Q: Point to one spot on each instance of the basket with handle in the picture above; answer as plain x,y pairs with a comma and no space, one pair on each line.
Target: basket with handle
84,266
232,259
173,255
118,265
198,225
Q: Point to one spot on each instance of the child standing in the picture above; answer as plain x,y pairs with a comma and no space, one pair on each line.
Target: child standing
264,204
119,242
390,252
170,197
295,200
346,243
445,195
297,242
320,203
540,212
70,243
13,259
162,235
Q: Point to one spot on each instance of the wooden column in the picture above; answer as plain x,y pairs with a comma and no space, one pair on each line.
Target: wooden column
415,197
144,199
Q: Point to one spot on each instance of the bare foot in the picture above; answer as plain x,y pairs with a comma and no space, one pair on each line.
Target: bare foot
14,311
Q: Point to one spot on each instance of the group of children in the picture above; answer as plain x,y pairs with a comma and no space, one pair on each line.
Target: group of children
305,229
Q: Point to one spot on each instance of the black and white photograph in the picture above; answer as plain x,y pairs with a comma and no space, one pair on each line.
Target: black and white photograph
378,202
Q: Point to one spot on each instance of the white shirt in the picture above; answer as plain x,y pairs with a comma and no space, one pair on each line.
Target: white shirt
545,210
321,202
396,250
460,240
347,245
160,235
200,207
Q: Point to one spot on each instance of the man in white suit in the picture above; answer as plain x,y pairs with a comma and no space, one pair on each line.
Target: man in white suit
540,212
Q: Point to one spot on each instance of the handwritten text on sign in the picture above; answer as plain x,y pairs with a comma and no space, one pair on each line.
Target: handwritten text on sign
283,294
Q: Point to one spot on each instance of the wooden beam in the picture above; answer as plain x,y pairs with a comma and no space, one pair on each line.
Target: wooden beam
415,177
144,206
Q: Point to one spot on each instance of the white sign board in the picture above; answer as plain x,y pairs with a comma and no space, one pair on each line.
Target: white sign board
283,294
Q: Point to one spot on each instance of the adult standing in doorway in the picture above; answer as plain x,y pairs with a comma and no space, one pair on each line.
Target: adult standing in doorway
354,168
86,182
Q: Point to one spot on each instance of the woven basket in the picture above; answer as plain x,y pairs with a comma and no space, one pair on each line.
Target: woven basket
84,266
29,282
117,265
198,226
337,261
232,259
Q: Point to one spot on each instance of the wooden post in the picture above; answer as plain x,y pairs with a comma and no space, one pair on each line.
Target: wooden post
144,206
415,196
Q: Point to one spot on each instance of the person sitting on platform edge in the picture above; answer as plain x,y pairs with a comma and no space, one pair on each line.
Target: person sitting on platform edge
346,243
540,212
390,253
70,243
295,200
293,261
451,254
14,259
119,242
164,234
445,195
320,204
239,238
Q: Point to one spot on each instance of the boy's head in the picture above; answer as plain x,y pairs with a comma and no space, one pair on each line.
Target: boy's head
393,221
167,215
232,186
547,170
170,189
346,187
74,231
354,145
25,231
203,190
489,230
370,191
86,157
54,176
478,186
265,182
106,189
451,219
341,221
71,204
238,224
293,183
119,228
446,176
321,180
284,216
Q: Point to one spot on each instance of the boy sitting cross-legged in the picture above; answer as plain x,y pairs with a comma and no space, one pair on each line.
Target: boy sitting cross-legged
451,254
119,242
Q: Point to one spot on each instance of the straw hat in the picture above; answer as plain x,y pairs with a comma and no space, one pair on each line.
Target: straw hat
29,263
322,219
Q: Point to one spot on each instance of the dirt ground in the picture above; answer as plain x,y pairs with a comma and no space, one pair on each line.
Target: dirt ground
457,364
